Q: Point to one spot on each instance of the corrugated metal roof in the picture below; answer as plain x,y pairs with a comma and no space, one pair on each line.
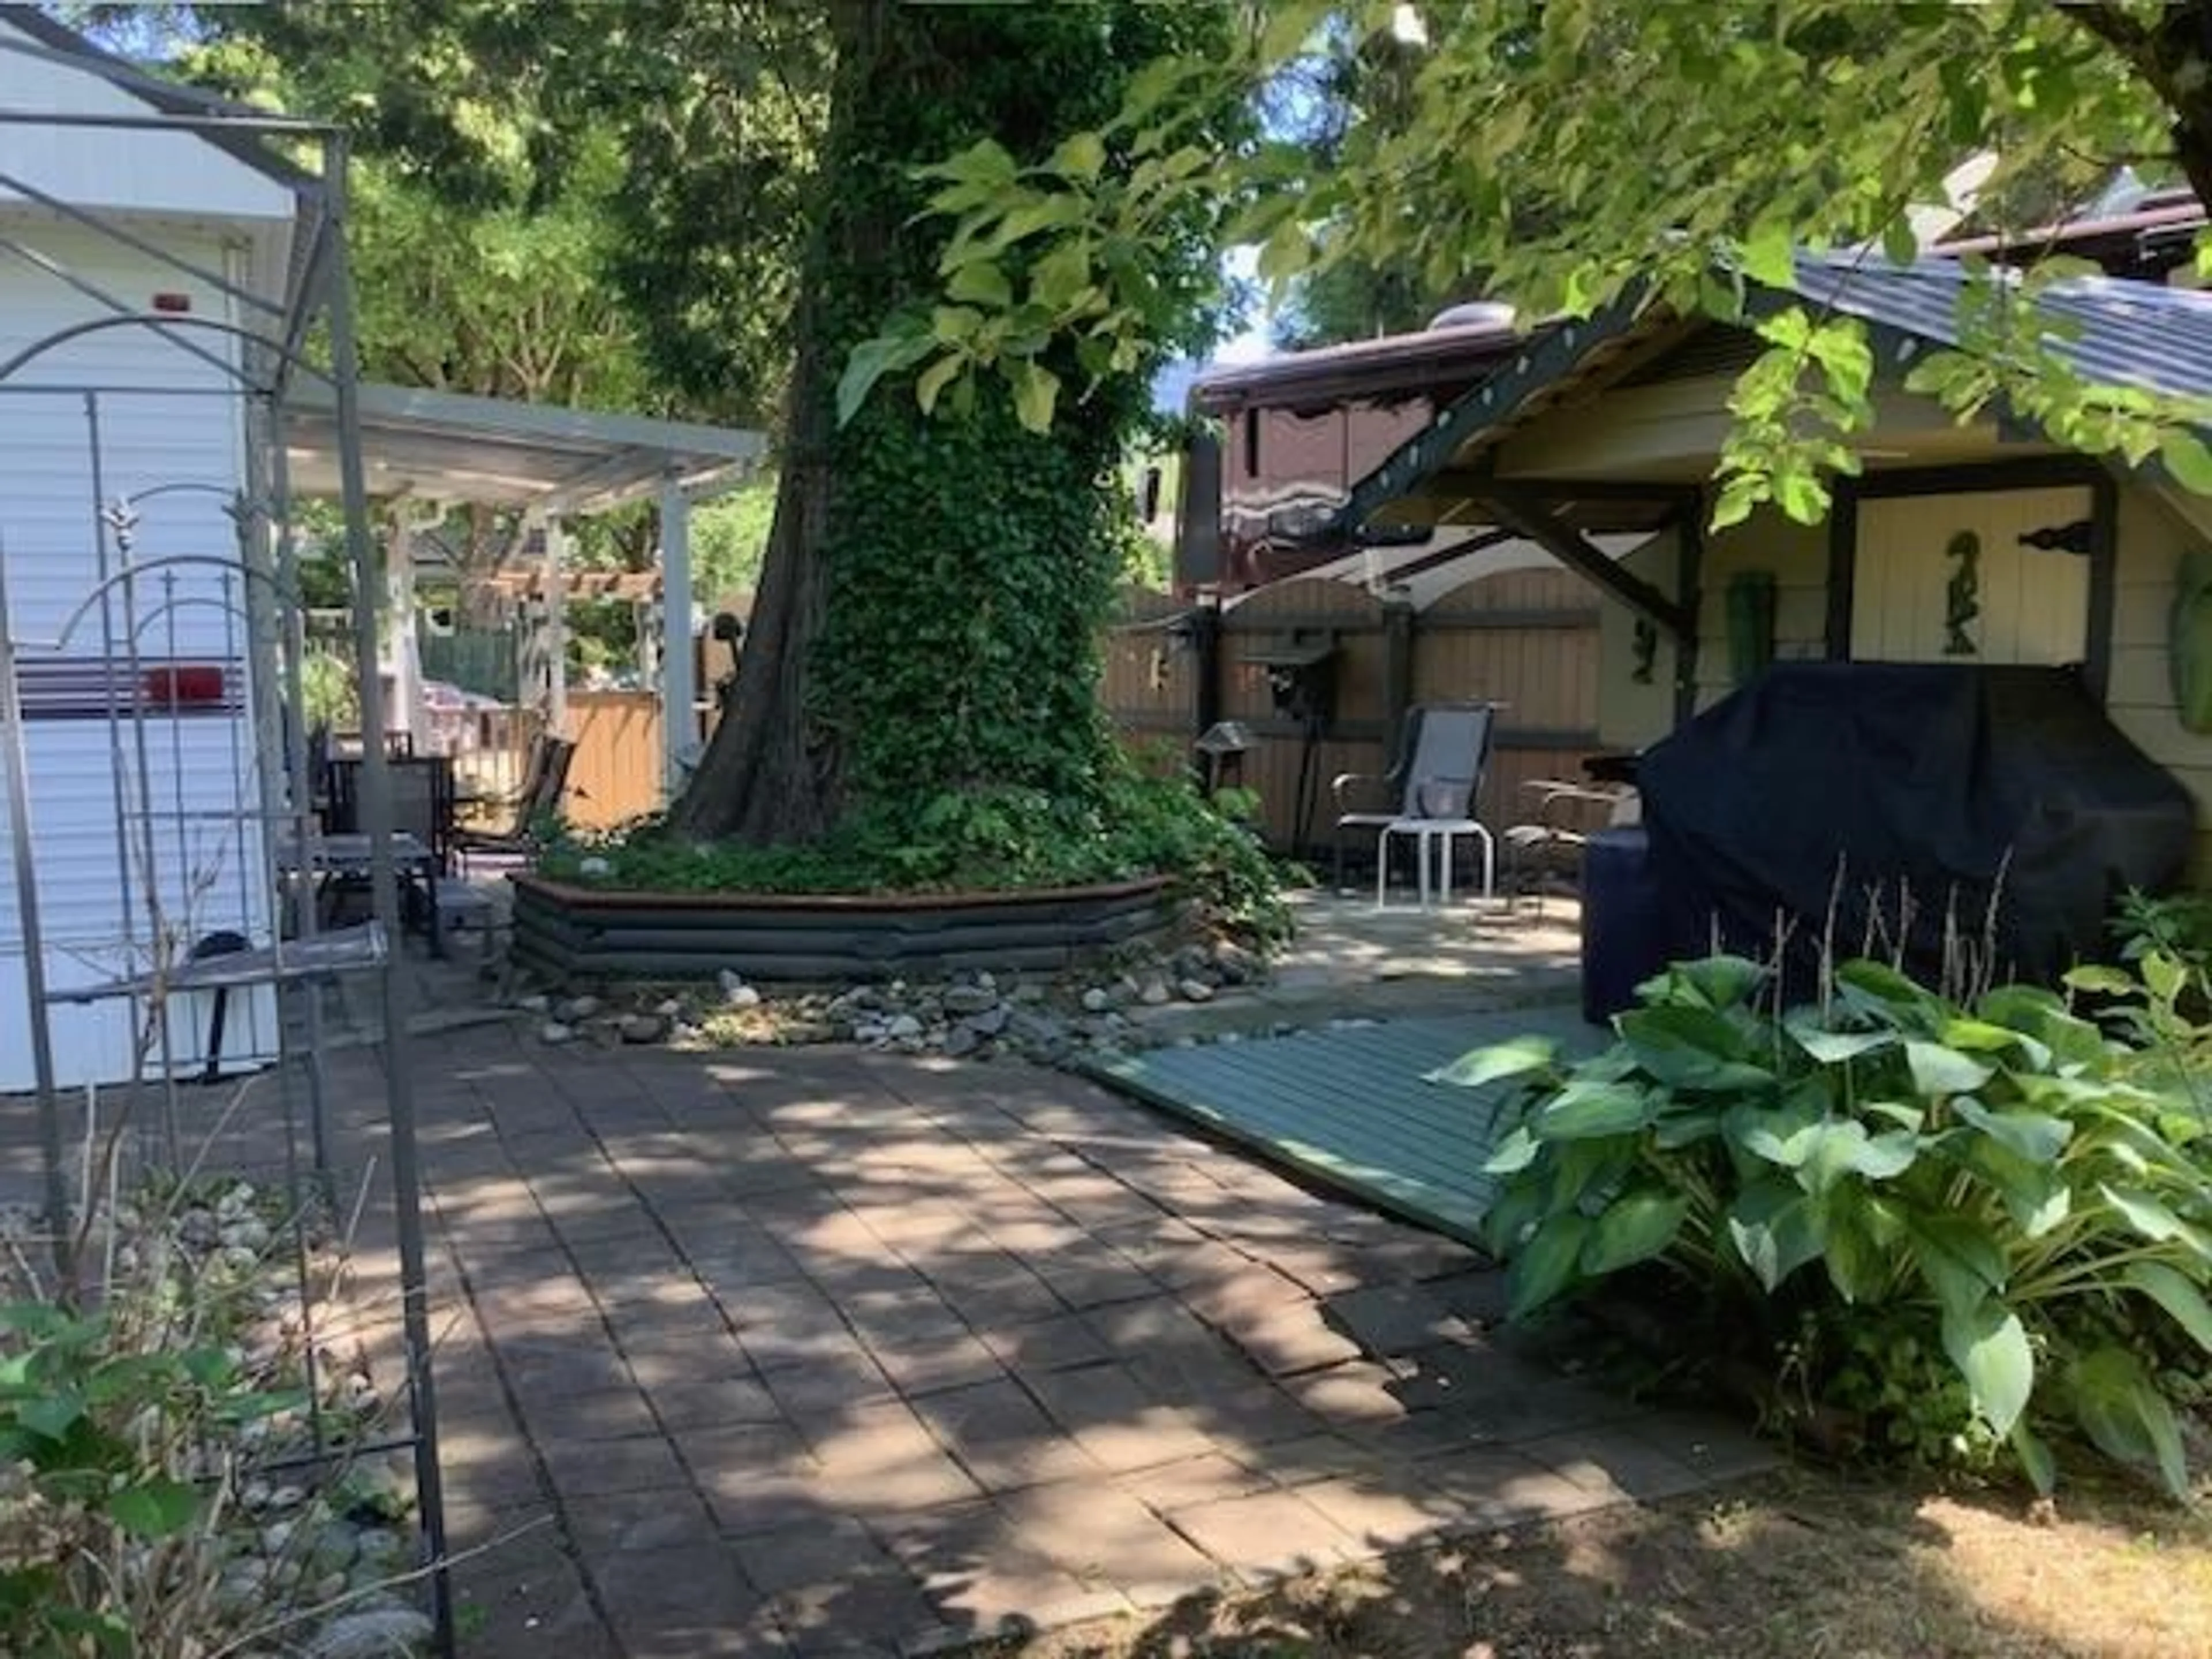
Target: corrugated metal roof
2112,330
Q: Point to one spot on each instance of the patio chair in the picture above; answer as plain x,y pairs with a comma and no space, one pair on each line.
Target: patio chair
519,840
1437,777
1530,846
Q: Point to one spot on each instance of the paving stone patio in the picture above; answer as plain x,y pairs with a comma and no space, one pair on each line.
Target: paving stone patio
822,1353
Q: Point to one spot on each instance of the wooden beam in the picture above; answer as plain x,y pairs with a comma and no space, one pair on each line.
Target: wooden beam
1689,587
1843,566
1572,549
2104,567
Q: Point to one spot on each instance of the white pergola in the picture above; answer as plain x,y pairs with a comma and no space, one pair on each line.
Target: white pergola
425,451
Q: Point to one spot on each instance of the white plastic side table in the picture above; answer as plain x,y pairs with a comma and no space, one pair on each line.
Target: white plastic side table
1433,838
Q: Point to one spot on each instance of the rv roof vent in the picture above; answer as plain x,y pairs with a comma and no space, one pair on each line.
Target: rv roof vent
1474,313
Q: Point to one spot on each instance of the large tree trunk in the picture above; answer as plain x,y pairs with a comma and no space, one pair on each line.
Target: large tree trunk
927,627
769,773
2171,51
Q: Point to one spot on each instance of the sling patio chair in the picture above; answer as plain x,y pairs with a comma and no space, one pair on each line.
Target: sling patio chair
1437,779
545,782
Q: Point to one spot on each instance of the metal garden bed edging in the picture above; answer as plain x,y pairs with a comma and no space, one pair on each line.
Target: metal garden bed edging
564,932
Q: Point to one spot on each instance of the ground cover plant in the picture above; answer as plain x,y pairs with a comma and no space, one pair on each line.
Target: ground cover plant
1142,822
1941,1229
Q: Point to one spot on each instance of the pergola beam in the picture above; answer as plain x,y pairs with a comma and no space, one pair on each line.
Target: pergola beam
1530,515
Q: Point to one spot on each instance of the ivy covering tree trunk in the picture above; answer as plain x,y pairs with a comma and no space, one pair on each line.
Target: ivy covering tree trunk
927,620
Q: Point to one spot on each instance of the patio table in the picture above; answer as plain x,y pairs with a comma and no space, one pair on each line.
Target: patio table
350,857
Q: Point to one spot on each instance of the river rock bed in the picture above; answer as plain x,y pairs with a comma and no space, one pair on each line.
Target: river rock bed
973,1016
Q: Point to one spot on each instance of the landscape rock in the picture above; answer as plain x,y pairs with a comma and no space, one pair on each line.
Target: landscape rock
247,1235
969,1000
198,1230
536,1003
576,1010
1196,990
741,996
1237,965
902,1027
643,1027
1154,993
962,1041
383,1633
992,1021
1097,1001
556,1031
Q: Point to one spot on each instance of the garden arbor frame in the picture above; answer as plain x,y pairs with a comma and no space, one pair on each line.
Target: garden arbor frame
64,100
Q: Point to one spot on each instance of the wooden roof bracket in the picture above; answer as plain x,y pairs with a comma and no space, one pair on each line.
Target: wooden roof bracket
1532,515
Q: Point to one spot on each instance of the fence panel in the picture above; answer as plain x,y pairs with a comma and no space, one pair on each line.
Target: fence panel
617,773
1526,641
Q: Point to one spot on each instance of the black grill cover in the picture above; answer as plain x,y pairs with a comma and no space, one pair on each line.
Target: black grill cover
1852,783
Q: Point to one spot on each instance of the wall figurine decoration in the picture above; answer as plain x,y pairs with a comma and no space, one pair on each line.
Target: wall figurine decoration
1645,648
1963,595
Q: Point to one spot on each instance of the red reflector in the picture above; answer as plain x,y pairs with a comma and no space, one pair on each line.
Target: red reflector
173,302
184,687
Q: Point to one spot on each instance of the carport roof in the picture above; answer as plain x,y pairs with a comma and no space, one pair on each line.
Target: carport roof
2114,332
446,447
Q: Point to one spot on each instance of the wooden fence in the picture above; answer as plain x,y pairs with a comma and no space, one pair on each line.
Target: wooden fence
1526,640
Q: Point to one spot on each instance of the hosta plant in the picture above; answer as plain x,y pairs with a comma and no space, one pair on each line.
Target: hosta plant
1997,1185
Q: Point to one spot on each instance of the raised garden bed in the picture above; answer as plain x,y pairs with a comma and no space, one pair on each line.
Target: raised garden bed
564,932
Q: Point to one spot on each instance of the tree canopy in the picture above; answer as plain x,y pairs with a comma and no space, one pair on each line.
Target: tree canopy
1583,152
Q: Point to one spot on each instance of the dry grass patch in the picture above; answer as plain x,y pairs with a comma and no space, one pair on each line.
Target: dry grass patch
1798,1566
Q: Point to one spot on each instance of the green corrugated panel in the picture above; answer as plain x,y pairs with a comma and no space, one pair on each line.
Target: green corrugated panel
1348,1107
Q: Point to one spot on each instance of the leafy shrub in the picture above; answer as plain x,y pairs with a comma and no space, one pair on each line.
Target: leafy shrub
96,1434
1963,1225
1135,824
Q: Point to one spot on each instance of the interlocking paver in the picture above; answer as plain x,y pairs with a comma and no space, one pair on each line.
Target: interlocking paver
1002,1438
1266,1533
820,1354
1118,1421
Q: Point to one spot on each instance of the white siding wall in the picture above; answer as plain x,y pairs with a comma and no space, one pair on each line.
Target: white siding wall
209,874
115,169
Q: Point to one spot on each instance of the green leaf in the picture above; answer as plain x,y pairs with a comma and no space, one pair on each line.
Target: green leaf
1688,1047
2034,1136
980,282
1989,1346
1937,1070
1632,1229
1826,1152
1583,1111
2125,1415
1773,1227
1768,255
1544,1269
1062,275
870,362
1961,1262
1515,1153
2035,1461
52,1415
2153,1220
2180,1296
2094,979
1516,1057
154,1508
1721,981
1833,1048
1036,390
1081,155
934,380
2184,455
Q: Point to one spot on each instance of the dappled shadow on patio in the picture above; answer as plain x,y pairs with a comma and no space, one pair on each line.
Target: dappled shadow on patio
834,1352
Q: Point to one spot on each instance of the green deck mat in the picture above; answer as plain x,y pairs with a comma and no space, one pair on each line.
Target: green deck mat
1347,1107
